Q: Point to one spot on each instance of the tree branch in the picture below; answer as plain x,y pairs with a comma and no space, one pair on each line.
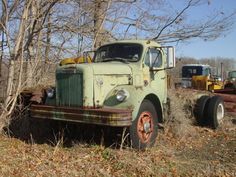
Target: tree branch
172,21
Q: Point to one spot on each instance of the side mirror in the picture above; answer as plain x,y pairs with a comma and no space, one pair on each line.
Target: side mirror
170,57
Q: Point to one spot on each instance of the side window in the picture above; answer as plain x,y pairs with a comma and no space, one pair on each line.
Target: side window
155,58
147,58
207,71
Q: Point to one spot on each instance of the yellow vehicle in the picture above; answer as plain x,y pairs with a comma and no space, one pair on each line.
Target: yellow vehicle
198,76
206,83
80,59
191,70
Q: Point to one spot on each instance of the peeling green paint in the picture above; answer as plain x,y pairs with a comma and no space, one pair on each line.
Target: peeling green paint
95,85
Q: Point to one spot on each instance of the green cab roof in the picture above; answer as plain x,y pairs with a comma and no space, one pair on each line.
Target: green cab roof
142,42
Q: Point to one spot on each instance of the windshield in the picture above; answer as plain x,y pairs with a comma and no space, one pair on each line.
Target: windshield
232,74
189,71
119,52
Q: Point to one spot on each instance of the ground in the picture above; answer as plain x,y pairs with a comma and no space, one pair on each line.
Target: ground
182,149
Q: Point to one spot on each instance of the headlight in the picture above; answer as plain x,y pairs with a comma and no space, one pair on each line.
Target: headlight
121,95
50,92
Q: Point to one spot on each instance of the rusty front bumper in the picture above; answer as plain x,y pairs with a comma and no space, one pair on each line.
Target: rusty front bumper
100,116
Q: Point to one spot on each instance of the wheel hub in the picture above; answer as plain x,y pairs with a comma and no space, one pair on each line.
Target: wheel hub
145,126
220,112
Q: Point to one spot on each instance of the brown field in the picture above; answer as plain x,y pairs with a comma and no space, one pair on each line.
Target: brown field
181,149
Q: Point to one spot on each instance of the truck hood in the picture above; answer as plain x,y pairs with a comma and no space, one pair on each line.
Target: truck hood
112,68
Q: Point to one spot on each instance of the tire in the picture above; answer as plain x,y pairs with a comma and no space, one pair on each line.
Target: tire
215,111
230,86
200,111
143,131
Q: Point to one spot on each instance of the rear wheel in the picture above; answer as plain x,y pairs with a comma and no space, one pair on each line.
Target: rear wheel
200,110
143,131
215,111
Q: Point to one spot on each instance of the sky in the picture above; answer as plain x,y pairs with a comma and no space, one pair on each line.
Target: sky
224,46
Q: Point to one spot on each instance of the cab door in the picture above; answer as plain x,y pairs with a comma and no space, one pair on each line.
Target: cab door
155,73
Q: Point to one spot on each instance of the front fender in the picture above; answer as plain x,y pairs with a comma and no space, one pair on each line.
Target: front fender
133,102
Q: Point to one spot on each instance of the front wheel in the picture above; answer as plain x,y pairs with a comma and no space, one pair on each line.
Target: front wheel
143,131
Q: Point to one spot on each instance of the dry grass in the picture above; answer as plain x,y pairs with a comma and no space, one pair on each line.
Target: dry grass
182,149
180,119
211,154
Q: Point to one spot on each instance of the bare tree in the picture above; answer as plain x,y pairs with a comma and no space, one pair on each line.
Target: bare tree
159,21
23,49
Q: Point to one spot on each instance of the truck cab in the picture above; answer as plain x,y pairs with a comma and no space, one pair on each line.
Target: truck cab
190,70
124,86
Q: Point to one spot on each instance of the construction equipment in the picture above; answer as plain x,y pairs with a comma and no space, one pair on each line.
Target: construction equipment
206,83
231,80
190,70
198,76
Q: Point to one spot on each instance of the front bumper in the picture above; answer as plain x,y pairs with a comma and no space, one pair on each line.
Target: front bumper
99,116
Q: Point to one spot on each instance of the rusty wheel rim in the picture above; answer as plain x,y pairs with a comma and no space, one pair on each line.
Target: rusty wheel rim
145,126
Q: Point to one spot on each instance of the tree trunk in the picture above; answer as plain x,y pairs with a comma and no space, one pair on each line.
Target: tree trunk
11,95
10,82
99,15
1,57
48,38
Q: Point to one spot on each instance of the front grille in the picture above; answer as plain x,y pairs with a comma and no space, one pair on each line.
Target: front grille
69,89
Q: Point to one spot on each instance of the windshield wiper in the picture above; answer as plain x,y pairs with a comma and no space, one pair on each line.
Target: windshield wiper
115,59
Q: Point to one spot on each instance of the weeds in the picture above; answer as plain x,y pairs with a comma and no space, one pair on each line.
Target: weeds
58,142
177,152
106,154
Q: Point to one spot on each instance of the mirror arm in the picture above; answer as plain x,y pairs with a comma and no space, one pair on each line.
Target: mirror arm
156,69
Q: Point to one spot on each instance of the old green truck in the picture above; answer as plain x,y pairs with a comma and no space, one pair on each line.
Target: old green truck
124,86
